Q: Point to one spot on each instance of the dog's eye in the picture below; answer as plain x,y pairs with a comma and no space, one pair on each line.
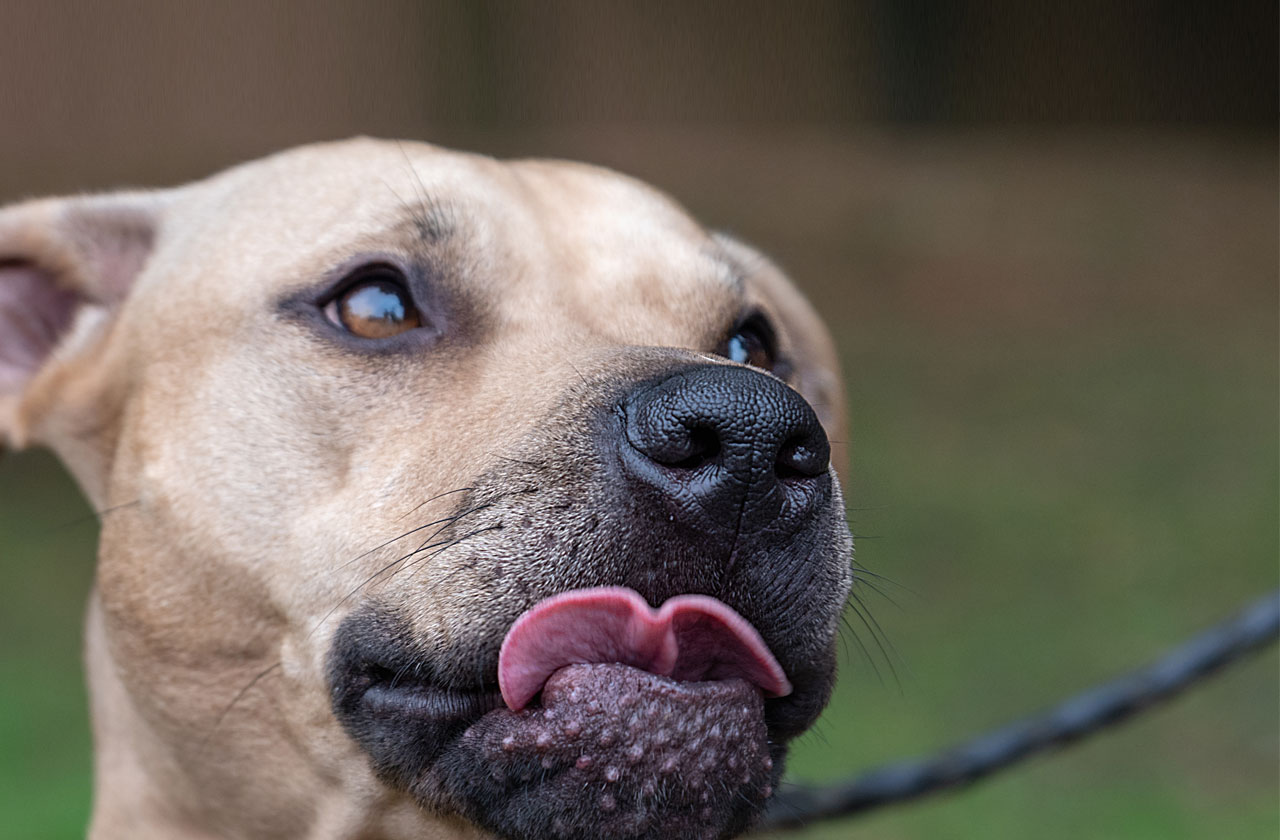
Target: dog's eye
753,343
378,306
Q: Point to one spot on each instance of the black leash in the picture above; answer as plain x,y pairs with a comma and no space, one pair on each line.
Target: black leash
1080,716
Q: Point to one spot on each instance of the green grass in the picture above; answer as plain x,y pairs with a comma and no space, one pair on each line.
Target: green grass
46,566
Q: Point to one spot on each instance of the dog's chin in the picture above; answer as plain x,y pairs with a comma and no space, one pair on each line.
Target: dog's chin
606,750
613,751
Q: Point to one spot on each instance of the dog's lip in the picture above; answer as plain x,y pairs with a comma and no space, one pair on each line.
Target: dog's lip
421,700
723,644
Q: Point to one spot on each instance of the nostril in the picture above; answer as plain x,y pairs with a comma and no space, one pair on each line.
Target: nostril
702,446
799,458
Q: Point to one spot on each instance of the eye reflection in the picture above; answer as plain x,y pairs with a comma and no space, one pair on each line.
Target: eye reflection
752,344
376,308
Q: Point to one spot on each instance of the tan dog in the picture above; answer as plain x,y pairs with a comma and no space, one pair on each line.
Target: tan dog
350,412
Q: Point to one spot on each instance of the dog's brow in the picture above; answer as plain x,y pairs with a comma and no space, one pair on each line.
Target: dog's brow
423,216
432,219
429,220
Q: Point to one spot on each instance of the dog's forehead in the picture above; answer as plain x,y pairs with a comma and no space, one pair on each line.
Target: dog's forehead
334,192
529,235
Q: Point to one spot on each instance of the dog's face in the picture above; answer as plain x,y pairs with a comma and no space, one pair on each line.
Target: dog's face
355,409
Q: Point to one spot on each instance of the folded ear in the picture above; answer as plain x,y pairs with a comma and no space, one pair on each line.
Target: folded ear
66,265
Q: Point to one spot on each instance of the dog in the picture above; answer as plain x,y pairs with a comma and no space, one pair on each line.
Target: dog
440,497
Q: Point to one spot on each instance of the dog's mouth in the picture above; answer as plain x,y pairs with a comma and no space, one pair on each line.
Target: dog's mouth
616,751
612,718
692,638
649,719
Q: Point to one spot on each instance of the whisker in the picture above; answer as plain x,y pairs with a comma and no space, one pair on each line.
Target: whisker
857,581
881,638
877,636
428,216
234,700
575,370
404,669
406,206
447,544
862,572
446,523
866,654
119,507
377,574
432,499
444,520
95,515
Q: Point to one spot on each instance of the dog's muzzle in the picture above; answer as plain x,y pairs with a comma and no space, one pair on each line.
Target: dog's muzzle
709,489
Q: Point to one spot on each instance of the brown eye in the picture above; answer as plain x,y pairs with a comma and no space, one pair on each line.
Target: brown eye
753,343
378,307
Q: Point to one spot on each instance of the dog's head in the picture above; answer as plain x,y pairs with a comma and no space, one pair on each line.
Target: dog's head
366,419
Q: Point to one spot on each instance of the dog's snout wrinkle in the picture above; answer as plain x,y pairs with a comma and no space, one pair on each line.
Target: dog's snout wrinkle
727,444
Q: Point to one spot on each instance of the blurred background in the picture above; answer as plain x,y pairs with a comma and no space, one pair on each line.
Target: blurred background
1044,235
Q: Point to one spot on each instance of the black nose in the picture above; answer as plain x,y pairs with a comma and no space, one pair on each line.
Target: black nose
726,446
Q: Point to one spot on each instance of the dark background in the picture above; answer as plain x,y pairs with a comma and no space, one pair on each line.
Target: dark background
1045,236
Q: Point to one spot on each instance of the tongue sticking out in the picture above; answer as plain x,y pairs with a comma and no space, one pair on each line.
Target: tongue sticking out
691,638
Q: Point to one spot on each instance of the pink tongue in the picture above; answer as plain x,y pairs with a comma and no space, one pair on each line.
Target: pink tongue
691,638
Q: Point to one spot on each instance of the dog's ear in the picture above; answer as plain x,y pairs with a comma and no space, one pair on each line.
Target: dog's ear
66,265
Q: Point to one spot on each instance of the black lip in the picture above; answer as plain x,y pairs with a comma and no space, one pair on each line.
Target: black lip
386,695
425,702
